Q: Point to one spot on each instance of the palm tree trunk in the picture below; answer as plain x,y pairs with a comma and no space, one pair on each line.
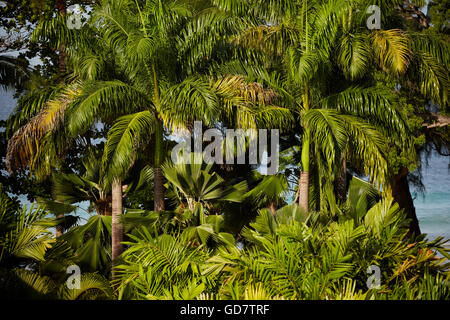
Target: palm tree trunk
62,60
272,207
304,191
59,229
158,174
159,190
117,228
304,175
402,195
62,67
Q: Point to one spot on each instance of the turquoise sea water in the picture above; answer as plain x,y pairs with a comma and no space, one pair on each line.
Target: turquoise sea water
433,209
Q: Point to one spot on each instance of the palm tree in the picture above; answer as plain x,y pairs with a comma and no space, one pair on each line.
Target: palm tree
172,266
91,185
313,40
318,35
170,95
113,81
45,138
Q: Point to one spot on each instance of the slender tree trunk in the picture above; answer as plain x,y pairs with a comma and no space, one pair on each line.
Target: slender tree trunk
62,67
159,189
340,183
304,175
402,195
117,228
62,60
159,151
158,174
272,207
304,191
59,228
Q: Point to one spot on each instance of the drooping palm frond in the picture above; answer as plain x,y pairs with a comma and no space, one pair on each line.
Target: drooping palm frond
56,32
204,33
290,214
26,142
271,189
331,132
433,44
125,136
431,76
68,189
368,148
188,101
303,65
392,50
327,132
249,104
374,103
362,196
323,24
27,284
103,100
206,230
429,66
382,217
268,39
354,55
29,105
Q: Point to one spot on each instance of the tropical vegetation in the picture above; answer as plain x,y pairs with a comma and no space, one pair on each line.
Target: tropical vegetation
90,143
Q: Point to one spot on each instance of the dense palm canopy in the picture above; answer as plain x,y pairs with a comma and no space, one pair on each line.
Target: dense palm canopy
315,39
139,71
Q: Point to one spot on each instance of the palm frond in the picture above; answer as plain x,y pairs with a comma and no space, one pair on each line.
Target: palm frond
374,103
127,133
24,145
103,100
354,55
92,287
392,50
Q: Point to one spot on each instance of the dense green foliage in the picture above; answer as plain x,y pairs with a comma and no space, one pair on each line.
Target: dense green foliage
96,124
187,255
288,256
